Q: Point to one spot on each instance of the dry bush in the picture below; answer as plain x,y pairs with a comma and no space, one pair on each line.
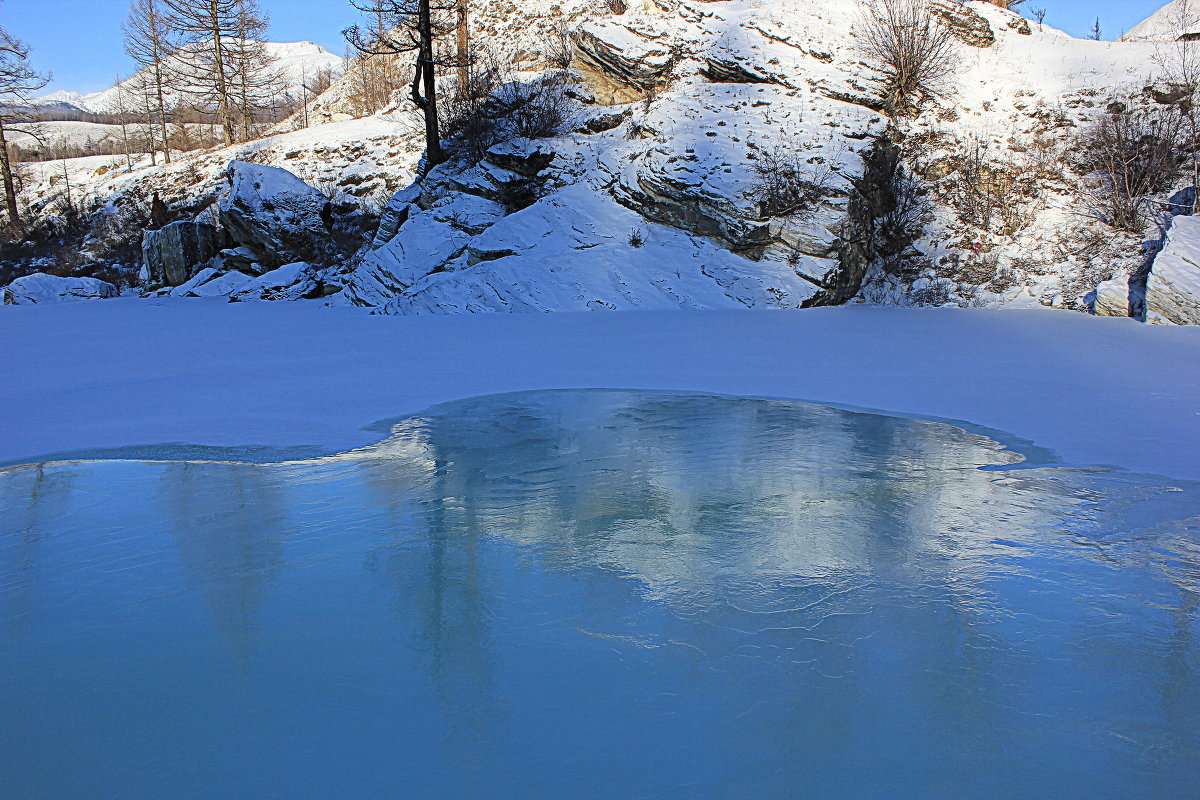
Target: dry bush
988,193
787,183
915,54
1130,157
559,47
495,107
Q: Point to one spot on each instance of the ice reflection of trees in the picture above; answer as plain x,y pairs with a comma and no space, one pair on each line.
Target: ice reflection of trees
32,498
227,522
792,525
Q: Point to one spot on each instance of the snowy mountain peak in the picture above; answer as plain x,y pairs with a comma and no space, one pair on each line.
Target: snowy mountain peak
1171,22
297,62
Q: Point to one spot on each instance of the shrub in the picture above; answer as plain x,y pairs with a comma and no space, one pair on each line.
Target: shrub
914,53
1130,156
495,107
787,184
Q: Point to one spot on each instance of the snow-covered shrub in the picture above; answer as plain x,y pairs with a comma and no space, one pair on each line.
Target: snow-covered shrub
987,190
915,55
558,48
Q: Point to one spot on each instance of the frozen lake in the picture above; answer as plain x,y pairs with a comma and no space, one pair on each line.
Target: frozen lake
603,595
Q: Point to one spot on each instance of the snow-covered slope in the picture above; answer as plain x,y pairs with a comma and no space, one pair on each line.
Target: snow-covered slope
651,200
296,62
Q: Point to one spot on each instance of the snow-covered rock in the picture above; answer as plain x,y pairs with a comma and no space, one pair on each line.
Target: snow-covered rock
41,288
289,282
678,103
274,214
579,250
1173,286
1112,298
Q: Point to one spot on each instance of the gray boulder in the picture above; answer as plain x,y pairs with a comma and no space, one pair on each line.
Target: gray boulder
277,217
40,288
175,252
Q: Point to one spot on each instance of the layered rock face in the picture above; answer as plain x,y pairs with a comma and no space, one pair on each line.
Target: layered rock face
653,204
680,109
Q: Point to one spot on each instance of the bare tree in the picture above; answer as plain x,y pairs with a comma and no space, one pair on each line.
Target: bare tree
412,26
915,54
219,66
17,82
1131,156
1096,33
123,119
1179,63
150,39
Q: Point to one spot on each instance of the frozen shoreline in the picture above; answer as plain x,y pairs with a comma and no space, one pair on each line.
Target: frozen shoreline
117,373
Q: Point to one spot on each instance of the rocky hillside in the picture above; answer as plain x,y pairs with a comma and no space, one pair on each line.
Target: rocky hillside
656,197
658,185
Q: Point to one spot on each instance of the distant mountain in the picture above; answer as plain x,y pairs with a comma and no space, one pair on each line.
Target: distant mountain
297,62
1172,21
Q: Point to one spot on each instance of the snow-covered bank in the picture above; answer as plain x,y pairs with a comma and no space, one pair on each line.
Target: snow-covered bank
136,372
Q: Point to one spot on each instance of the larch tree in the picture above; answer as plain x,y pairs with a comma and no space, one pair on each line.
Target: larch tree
463,41
122,97
218,65
150,40
17,82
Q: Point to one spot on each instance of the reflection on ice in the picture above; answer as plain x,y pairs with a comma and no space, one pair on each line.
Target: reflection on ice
603,594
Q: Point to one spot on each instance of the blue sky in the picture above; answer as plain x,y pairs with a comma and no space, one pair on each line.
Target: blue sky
80,40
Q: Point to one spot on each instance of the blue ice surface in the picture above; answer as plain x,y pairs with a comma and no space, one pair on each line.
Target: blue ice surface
603,595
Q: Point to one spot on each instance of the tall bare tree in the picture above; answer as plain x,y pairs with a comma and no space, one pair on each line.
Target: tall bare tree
256,81
217,63
17,82
150,40
412,26
122,95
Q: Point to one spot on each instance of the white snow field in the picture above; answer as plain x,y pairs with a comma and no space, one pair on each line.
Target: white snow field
125,372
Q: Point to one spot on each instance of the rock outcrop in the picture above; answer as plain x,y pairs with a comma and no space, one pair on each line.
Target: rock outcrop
1111,298
1173,285
174,253
967,26
277,217
41,288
